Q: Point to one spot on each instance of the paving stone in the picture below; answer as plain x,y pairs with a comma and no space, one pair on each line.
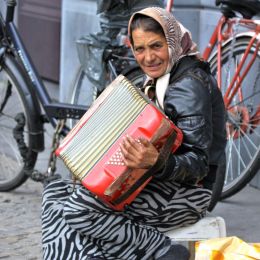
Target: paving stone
20,222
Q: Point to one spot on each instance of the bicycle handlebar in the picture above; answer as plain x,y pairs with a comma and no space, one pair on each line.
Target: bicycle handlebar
10,10
11,2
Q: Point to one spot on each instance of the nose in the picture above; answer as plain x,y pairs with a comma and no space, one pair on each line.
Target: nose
149,56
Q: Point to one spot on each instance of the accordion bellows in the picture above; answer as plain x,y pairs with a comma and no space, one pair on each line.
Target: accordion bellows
91,150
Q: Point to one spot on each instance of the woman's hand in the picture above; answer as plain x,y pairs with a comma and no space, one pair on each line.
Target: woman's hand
138,154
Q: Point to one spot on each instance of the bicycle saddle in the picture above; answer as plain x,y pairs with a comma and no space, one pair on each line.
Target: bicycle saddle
247,8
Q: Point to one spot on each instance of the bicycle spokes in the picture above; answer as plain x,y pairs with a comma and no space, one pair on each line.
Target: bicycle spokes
243,64
255,119
238,120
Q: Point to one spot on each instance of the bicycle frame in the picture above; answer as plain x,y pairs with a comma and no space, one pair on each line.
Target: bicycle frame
169,5
53,110
224,32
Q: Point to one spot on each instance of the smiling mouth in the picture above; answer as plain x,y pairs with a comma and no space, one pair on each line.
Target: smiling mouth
153,67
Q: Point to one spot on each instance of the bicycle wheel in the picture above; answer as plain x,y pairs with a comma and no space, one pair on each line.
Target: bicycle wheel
243,117
16,157
218,185
135,75
85,92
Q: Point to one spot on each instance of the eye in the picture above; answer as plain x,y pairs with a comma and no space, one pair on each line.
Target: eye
157,45
138,49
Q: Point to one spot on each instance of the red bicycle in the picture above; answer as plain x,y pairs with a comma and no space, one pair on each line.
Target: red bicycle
234,54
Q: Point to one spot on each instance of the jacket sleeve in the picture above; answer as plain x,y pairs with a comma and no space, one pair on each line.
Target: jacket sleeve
188,104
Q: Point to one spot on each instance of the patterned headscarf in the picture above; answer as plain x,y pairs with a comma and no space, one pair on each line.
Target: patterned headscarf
178,38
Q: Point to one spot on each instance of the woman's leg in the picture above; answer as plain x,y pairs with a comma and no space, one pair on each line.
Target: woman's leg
117,234
171,205
129,234
59,241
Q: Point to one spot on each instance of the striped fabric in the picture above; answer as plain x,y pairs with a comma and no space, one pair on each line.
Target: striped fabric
75,225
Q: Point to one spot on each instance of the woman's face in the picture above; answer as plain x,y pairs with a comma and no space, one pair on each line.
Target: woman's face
151,52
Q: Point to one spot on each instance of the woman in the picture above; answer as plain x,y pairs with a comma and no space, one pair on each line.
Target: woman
81,227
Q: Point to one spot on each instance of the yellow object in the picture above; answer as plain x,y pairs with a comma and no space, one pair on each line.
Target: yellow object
226,248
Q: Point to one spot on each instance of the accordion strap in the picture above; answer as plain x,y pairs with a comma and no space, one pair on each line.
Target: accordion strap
163,156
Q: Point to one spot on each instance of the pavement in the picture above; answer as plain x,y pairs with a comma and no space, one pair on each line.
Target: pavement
20,215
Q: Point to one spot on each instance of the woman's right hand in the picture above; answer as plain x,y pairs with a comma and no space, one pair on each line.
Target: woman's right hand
138,153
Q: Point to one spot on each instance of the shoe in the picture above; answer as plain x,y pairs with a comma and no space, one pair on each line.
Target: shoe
176,252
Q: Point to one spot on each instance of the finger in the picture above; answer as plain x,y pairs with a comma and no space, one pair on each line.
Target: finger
131,145
128,152
126,144
123,149
129,164
144,141
139,143
129,159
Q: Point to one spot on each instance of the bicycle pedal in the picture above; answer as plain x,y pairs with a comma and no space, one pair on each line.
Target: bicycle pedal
50,179
38,176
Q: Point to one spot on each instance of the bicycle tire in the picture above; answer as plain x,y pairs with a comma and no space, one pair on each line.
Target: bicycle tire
218,185
243,137
14,168
85,92
135,75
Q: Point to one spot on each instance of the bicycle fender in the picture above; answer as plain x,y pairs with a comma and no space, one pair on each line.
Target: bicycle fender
248,34
35,125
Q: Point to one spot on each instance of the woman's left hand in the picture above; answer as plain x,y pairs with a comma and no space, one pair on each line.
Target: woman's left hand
138,154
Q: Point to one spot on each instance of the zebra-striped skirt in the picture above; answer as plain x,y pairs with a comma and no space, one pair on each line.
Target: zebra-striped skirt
76,225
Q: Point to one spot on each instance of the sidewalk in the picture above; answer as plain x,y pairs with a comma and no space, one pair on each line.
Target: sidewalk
241,213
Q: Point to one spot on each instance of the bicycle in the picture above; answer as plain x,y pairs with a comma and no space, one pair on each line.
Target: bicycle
234,56
25,106
236,65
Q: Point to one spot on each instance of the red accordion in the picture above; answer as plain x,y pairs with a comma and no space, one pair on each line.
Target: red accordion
91,150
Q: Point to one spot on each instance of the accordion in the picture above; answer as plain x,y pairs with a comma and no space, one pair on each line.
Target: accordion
91,150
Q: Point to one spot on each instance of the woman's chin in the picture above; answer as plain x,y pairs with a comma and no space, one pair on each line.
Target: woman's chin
154,74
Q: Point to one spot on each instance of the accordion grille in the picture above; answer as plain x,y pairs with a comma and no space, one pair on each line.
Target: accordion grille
122,106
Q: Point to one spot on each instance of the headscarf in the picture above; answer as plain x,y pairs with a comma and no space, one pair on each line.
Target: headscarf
178,39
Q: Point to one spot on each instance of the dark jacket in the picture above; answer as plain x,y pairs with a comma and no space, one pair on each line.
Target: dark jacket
194,103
